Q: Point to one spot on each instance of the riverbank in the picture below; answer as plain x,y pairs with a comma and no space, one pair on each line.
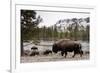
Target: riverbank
51,57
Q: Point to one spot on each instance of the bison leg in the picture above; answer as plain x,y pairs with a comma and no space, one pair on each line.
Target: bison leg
62,53
74,54
81,53
65,54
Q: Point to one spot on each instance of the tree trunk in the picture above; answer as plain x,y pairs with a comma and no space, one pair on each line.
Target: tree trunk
22,49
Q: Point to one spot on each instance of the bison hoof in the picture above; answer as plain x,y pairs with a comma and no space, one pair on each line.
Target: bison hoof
73,56
80,55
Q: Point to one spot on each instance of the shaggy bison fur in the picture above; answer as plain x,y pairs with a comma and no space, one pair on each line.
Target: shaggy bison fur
67,46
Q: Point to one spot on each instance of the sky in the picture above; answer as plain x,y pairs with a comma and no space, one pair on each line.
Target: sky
50,18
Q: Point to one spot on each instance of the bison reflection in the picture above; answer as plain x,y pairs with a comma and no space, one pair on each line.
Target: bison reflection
67,46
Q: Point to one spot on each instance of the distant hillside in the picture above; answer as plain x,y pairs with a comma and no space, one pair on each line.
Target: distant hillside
63,24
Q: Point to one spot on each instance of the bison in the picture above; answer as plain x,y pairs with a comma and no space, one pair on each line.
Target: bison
34,48
65,46
34,53
46,52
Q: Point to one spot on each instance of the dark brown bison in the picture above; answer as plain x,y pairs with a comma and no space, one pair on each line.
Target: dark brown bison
46,52
67,46
34,53
34,48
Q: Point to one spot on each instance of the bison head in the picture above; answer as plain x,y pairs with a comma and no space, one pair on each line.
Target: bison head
55,48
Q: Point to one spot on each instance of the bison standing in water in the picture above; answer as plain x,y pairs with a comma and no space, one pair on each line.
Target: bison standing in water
67,46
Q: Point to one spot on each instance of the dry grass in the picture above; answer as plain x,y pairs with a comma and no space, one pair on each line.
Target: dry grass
52,57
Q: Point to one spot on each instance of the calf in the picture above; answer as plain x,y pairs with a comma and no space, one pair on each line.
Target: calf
46,52
34,53
34,48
